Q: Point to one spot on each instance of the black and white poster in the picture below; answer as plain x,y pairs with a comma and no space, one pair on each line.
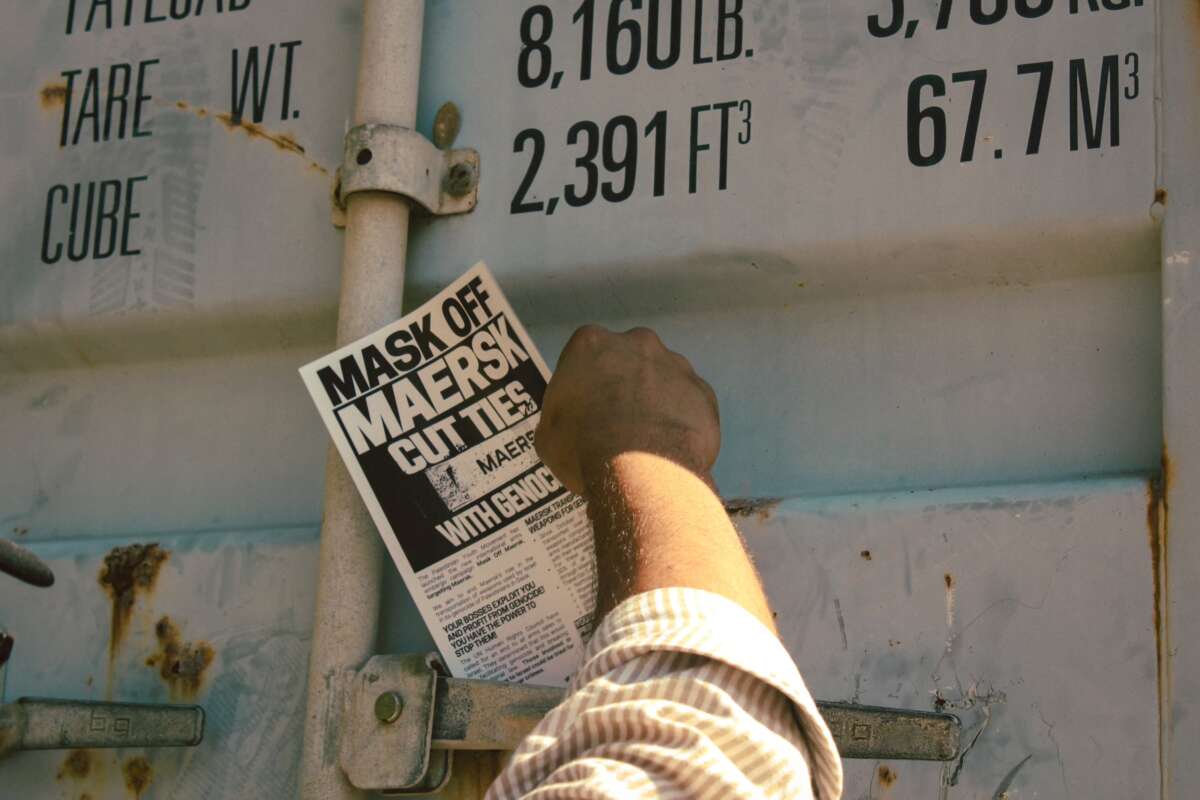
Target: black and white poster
434,416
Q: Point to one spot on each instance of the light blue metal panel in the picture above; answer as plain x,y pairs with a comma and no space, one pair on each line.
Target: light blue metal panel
898,325
1026,610
247,595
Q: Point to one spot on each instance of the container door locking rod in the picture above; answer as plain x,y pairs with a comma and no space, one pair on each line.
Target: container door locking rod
404,716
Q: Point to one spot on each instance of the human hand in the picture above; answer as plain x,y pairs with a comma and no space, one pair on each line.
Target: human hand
615,393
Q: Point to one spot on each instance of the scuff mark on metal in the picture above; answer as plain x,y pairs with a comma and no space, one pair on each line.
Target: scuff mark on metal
760,507
180,664
283,141
1001,792
837,607
53,95
1057,750
128,571
970,699
76,765
138,775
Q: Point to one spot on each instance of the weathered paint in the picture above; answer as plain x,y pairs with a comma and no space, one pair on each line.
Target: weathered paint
1025,563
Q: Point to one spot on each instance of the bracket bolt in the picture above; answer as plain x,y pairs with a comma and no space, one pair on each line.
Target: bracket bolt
460,180
388,706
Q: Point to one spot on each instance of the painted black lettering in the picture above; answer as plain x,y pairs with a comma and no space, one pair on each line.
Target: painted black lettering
129,216
252,81
1081,104
117,95
729,14
142,97
48,256
288,48
100,249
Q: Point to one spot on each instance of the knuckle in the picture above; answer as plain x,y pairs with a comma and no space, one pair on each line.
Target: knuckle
588,335
645,338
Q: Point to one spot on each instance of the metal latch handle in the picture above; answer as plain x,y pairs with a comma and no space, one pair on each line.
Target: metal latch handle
35,723
405,715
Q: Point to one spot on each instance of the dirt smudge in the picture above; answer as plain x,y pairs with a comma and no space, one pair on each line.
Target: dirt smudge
138,775
181,664
127,572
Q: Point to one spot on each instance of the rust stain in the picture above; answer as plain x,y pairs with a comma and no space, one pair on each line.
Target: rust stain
887,776
760,507
949,580
1158,505
1160,195
284,141
866,555
53,95
138,775
180,664
76,765
126,572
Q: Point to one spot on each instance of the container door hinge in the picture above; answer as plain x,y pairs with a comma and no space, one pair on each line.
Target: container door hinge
391,158
405,715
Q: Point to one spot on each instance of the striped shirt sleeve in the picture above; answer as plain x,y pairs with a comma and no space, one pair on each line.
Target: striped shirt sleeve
682,693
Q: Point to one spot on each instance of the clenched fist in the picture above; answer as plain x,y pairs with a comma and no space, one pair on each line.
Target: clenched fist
615,393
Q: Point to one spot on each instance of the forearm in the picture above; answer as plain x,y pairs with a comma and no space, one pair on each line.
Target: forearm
660,525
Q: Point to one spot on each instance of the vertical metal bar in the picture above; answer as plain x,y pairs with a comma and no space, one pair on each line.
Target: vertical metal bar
1176,543
373,259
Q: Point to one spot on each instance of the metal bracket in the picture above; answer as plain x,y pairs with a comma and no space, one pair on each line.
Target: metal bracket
404,710
387,742
389,158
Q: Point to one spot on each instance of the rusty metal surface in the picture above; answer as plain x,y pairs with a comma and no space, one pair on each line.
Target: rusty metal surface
247,594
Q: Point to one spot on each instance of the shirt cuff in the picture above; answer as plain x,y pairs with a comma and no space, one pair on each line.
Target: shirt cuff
702,623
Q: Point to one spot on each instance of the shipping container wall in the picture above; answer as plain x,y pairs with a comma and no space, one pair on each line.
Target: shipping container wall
917,248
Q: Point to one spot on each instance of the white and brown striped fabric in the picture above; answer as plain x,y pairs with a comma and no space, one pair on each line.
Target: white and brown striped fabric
682,693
